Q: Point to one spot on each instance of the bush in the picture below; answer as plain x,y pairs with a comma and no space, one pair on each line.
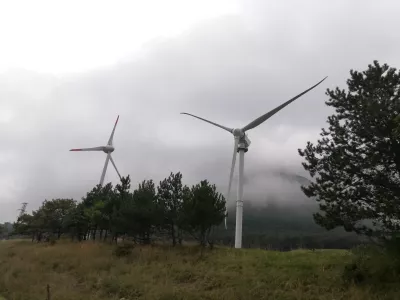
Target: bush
123,250
359,269
372,264
52,240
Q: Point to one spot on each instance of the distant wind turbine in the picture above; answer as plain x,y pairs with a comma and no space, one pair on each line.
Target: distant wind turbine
108,149
241,145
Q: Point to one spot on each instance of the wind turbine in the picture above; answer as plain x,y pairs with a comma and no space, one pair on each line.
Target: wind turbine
241,144
108,149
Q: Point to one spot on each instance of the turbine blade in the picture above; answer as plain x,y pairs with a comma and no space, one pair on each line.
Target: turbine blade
268,115
112,161
112,133
231,174
101,148
104,169
215,124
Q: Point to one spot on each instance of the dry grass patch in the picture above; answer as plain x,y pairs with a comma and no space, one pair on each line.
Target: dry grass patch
91,271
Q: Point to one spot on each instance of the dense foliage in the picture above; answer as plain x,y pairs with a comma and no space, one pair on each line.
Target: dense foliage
201,208
147,213
397,126
5,230
356,164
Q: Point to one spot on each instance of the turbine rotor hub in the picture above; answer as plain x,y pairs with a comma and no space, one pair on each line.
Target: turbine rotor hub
108,149
238,132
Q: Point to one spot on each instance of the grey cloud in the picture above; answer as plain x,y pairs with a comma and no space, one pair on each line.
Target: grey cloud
231,70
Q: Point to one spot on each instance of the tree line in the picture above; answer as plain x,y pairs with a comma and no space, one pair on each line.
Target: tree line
170,211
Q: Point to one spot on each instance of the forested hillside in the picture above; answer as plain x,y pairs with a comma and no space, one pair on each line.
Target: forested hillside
283,228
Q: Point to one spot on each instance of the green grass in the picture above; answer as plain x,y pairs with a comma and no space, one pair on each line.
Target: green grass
90,271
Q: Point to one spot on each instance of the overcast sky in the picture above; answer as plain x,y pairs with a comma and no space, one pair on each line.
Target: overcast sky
68,68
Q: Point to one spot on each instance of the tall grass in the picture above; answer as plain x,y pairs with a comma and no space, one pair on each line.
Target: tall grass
91,271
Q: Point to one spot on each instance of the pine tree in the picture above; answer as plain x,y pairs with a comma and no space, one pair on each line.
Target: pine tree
356,164
169,200
203,208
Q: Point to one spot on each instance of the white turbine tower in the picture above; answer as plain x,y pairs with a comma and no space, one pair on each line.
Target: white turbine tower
108,149
241,145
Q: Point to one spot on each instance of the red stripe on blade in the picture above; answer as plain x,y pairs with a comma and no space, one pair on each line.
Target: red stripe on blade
75,150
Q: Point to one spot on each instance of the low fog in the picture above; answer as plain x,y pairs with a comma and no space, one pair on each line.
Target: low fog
229,69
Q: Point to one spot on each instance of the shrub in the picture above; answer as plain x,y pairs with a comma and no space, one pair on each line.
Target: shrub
123,250
373,264
52,240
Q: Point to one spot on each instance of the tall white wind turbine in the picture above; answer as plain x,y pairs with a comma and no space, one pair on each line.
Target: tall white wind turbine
108,149
241,144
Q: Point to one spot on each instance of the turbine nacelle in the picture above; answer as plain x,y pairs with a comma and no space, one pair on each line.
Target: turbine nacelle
244,142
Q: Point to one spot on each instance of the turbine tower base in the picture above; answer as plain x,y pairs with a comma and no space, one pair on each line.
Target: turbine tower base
239,202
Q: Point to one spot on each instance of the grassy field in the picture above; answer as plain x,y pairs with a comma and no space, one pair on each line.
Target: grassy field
89,271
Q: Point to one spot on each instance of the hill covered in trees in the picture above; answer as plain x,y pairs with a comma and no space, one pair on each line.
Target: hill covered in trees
284,227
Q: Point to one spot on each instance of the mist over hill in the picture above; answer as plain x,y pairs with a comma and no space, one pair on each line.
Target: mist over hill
276,214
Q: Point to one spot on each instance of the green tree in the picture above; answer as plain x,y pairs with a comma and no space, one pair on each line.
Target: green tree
119,198
169,199
397,128
203,208
36,224
137,214
54,213
356,164
24,225
147,213
49,219
145,206
98,208
77,222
